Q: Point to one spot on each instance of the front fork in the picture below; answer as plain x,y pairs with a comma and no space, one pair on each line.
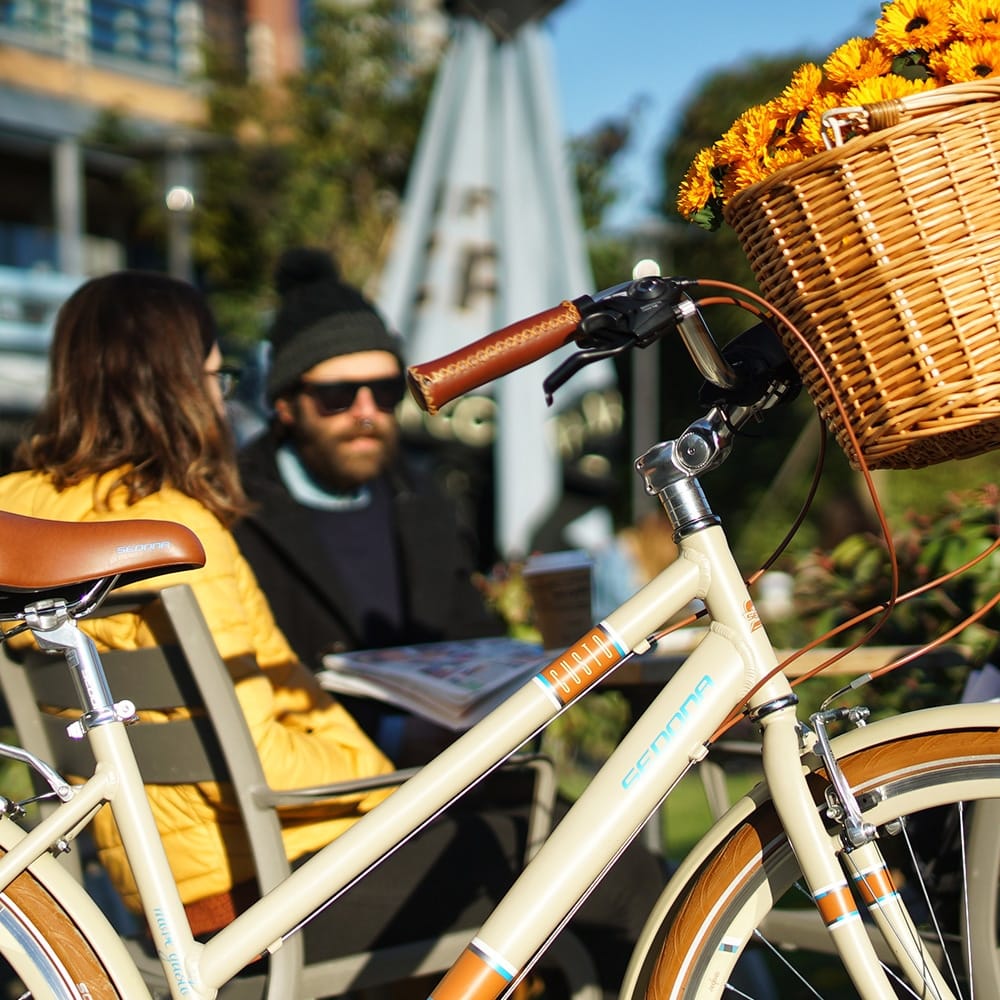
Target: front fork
815,850
839,876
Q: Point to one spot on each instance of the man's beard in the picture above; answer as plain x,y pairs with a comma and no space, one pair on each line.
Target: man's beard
335,466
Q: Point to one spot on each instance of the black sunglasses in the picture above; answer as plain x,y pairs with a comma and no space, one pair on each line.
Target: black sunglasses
337,397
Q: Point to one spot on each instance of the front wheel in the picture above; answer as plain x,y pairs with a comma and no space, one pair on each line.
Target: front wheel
44,953
54,941
744,925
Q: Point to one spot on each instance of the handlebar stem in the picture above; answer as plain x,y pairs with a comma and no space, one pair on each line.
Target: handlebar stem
677,489
671,469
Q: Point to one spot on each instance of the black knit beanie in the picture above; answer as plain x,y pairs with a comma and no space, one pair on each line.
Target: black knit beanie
319,317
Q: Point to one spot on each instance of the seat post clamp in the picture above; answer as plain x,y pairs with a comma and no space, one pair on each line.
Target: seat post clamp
121,711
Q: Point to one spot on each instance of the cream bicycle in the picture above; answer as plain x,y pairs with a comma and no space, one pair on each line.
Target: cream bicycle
832,821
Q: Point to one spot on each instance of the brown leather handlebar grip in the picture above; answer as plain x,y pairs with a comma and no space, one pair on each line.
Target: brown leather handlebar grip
435,383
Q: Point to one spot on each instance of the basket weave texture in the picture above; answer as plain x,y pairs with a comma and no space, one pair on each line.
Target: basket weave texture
885,253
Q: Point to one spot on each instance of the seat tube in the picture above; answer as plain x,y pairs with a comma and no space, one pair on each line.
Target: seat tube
101,722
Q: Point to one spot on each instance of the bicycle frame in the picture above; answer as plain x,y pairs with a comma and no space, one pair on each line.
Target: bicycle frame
732,658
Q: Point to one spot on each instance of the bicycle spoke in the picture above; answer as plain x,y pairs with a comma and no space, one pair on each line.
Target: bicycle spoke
784,961
890,924
932,910
903,984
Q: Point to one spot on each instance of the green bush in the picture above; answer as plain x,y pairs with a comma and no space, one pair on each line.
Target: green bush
833,588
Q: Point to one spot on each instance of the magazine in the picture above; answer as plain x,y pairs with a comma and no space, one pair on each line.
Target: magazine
454,684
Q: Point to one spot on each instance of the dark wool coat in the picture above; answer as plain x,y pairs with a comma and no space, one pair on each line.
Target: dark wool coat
311,602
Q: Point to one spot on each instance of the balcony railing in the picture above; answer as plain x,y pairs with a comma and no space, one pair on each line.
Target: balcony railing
158,36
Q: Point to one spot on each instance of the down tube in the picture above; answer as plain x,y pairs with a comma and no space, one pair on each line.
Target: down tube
618,801
446,777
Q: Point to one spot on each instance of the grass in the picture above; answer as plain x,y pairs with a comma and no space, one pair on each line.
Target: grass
686,816
15,779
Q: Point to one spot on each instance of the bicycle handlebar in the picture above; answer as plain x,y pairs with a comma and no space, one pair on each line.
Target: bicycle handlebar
634,314
435,383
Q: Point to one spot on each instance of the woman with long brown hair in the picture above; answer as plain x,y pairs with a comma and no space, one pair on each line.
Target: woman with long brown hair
134,388
134,426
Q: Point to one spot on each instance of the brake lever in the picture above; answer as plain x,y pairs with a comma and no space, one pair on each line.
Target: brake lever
761,363
580,359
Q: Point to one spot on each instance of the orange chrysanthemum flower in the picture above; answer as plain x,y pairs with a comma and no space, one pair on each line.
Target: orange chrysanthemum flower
909,25
741,175
801,91
962,62
976,20
788,155
856,60
750,135
811,134
916,45
885,88
698,186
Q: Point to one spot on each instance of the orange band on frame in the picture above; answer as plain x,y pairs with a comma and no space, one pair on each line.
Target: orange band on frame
582,665
470,978
874,885
836,905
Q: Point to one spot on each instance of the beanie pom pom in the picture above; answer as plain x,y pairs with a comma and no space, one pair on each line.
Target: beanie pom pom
303,266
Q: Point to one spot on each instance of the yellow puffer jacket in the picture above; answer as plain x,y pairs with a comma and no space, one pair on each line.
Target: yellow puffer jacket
303,736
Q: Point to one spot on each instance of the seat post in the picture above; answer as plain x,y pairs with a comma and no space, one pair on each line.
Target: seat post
56,631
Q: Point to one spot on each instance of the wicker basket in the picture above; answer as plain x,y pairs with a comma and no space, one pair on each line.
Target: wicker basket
885,253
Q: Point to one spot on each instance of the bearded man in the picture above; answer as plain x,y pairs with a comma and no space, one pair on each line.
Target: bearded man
351,546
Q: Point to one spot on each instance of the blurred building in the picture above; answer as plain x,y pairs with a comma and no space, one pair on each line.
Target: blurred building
76,73
73,75
70,70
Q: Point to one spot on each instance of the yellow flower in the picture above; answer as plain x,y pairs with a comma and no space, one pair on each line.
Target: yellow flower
974,20
907,25
800,93
884,88
916,45
749,136
856,60
961,62
729,148
810,137
698,185
788,155
741,175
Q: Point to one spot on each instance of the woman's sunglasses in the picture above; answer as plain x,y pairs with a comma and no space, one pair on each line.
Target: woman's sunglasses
229,379
338,397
